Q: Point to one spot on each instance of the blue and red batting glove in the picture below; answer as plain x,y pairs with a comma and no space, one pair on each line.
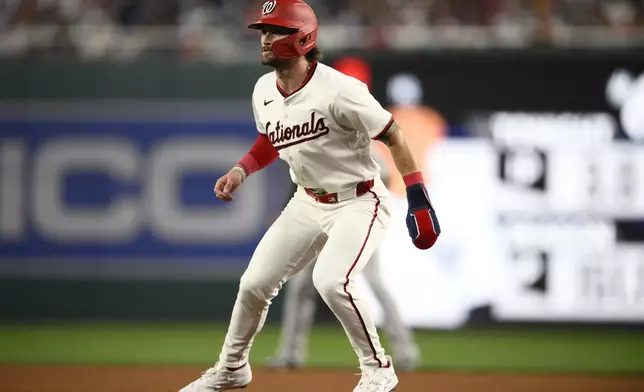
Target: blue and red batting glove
422,222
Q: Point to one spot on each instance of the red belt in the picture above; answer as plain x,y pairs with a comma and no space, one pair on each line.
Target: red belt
332,198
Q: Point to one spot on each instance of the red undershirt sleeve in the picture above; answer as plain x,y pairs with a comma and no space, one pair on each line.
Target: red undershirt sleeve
260,155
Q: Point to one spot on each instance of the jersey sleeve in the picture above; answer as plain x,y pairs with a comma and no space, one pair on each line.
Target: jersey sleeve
258,124
356,108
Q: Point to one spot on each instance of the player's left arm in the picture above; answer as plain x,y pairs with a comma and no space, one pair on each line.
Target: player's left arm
395,139
356,108
422,222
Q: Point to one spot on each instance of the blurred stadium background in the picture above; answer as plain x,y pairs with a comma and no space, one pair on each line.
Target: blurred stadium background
117,116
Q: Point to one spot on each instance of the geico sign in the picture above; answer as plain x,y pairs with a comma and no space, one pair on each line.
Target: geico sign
37,189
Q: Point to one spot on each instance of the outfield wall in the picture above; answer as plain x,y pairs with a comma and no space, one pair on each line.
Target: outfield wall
534,161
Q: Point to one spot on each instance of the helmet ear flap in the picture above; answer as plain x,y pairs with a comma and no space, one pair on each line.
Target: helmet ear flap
309,40
305,39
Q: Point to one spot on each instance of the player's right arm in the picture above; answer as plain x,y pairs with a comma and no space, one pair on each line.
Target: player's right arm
260,155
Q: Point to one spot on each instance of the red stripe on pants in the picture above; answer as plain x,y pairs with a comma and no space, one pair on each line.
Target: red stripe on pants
346,283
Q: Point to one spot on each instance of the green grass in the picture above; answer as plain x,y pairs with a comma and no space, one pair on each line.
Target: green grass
517,349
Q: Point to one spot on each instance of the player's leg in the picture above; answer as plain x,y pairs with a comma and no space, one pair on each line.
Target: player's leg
297,315
354,231
406,351
276,258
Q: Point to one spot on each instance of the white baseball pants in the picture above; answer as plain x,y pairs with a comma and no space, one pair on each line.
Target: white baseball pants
299,313
353,229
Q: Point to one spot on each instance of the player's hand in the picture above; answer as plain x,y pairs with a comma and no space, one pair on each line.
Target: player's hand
227,184
422,222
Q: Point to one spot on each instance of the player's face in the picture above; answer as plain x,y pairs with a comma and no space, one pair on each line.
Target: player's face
271,34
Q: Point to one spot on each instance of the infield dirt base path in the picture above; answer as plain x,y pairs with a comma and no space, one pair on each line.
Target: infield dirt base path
23,378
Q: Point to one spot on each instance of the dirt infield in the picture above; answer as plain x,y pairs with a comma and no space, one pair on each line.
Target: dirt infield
17,378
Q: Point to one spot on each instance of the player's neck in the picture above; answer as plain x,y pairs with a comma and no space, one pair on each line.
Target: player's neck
291,77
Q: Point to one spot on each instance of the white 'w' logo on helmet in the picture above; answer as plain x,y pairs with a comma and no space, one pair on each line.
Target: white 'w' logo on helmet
269,7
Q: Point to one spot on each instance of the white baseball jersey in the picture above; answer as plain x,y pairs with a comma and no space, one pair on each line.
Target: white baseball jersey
323,130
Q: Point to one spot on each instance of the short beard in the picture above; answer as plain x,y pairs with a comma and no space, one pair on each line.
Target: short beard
278,63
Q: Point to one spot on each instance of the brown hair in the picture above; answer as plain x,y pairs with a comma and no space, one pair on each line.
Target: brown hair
314,54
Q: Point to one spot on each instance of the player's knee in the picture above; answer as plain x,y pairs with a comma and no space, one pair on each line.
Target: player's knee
328,286
255,289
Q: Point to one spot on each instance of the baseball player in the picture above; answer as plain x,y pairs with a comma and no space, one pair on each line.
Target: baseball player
301,300
321,123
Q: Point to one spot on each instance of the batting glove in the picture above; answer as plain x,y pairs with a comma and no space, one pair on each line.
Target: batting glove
422,222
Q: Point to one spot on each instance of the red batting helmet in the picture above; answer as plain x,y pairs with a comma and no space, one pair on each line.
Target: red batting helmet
291,14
